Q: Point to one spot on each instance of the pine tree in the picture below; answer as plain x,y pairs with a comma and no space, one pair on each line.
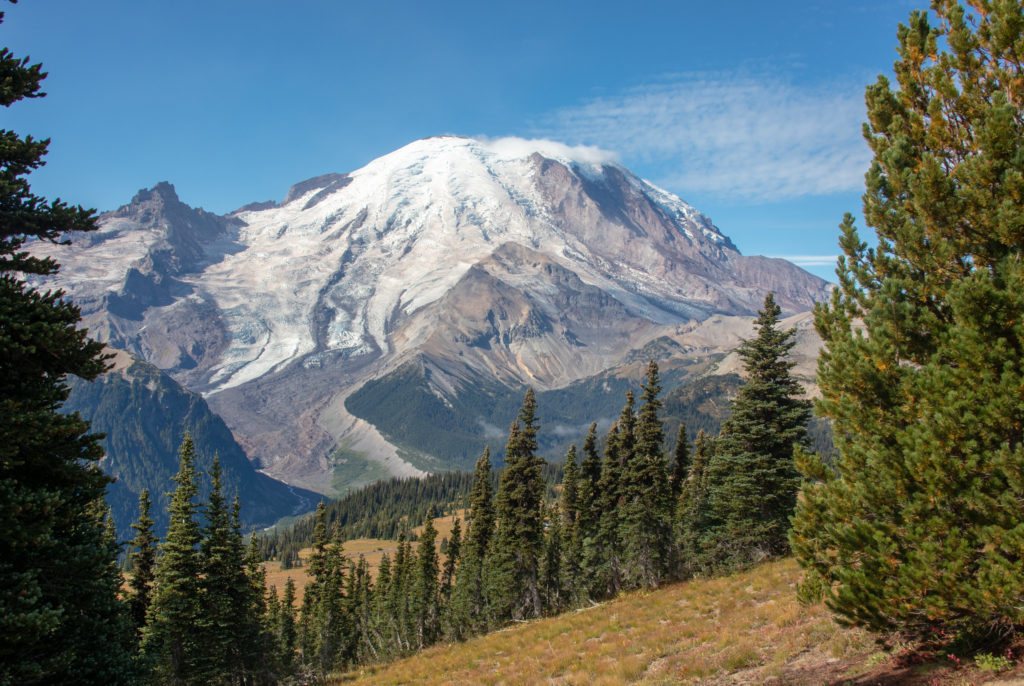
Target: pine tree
468,615
172,639
645,527
602,552
513,567
923,363
60,616
752,479
143,558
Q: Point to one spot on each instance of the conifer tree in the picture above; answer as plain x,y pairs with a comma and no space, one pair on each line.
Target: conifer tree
60,616
468,615
551,572
224,590
752,478
172,639
692,510
680,462
571,535
425,590
513,567
645,527
923,363
143,558
286,631
602,553
452,556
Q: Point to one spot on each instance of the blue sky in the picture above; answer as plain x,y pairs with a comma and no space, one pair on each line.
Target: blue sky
749,111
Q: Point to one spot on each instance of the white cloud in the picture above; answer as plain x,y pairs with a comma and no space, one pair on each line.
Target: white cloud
810,260
730,135
511,147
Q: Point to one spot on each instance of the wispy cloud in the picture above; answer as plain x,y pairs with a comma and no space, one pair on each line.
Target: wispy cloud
728,134
810,260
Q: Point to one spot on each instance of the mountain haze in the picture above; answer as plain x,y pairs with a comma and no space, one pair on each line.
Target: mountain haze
455,263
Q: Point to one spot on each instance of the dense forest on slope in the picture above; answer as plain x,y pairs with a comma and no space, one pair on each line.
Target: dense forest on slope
144,414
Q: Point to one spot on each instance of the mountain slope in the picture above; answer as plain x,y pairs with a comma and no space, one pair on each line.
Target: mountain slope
144,414
513,262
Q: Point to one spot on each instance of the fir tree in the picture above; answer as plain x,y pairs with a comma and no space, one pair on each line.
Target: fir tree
224,590
513,567
691,510
286,628
60,616
468,602
680,462
425,590
602,552
752,478
172,639
645,527
551,572
924,351
143,562
571,535
453,552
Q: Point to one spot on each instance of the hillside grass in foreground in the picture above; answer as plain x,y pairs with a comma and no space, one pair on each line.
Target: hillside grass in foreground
743,629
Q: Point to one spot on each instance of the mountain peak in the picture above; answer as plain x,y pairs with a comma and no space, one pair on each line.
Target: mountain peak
162,191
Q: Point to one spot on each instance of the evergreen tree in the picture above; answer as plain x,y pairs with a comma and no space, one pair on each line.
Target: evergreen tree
923,363
752,477
602,552
513,567
425,590
468,602
571,536
588,494
645,527
60,616
286,631
224,591
692,510
172,639
680,462
551,572
452,554
143,563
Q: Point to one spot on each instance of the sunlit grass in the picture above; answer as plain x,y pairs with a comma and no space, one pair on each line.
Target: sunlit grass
750,623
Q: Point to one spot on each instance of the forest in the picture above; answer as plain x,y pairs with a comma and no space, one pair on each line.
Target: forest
912,530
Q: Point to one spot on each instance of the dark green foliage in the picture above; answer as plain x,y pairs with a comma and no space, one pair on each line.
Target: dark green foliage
923,363
452,552
143,559
646,508
144,414
680,462
513,565
467,612
752,481
60,617
172,640
692,510
425,592
602,550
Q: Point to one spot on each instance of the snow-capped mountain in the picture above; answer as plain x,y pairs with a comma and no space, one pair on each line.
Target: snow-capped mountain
518,262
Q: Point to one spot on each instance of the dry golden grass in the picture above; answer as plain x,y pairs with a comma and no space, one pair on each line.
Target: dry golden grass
372,549
745,628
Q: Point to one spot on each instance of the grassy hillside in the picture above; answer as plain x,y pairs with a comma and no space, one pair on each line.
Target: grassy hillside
742,629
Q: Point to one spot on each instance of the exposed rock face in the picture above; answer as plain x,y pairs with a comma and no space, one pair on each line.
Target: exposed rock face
517,261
